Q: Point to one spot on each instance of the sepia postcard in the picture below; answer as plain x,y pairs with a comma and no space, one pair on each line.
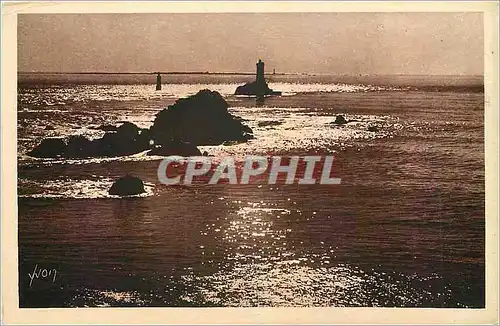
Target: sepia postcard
249,162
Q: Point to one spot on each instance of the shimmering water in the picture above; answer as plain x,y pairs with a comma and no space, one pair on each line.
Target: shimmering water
405,227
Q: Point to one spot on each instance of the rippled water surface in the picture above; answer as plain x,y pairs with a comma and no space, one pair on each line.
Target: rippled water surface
405,227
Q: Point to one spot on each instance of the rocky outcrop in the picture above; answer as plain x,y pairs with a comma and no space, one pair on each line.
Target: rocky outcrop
340,120
255,88
78,147
128,139
127,186
200,119
49,148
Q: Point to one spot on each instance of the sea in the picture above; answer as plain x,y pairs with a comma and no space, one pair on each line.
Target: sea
405,228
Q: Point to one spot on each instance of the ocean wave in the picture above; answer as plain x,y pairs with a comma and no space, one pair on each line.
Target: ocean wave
73,189
26,160
26,110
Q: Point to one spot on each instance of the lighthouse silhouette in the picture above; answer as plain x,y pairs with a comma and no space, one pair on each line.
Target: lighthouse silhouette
158,82
258,87
260,73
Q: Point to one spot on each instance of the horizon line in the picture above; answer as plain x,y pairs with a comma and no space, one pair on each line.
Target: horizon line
231,73
150,73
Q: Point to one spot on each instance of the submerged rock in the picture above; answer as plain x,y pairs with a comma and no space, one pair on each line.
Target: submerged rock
127,186
49,148
176,148
340,120
200,119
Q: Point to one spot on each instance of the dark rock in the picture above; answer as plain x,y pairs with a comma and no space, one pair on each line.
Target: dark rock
255,88
373,128
79,147
176,148
49,148
49,127
200,119
127,140
109,145
143,140
128,131
127,186
340,120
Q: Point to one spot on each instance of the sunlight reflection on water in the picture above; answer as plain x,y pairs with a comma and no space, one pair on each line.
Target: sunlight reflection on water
403,230
57,96
289,284
261,268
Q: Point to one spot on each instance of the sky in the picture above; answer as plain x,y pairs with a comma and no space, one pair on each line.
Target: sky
329,43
